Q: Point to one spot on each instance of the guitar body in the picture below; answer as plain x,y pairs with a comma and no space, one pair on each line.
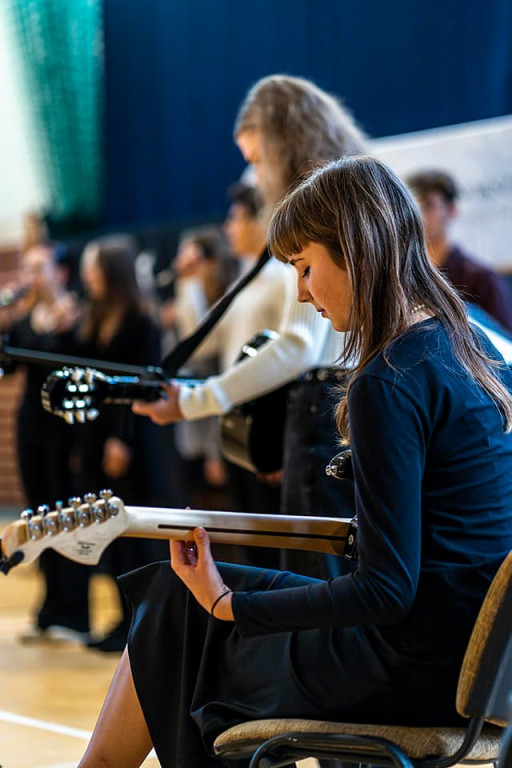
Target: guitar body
252,433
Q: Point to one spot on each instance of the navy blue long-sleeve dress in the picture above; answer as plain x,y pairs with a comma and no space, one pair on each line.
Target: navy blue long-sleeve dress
433,495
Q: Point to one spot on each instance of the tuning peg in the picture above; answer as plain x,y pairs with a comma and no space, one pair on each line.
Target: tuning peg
83,515
27,514
90,498
51,526
92,414
69,417
74,501
80,417
36,529
59,506
67,520
111,510
43,510
77,375
89,376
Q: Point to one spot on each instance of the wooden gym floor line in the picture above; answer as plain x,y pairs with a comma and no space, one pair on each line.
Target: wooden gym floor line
50,695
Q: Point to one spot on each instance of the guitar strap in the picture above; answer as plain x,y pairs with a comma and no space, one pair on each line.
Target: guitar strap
171,362
187,346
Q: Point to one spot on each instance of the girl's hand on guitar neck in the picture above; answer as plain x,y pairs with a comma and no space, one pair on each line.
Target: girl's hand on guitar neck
193,563
165,410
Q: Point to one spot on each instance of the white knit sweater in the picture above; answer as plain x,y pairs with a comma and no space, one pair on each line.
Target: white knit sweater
306,340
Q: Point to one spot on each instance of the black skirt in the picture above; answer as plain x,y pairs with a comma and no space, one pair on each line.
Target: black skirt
195,676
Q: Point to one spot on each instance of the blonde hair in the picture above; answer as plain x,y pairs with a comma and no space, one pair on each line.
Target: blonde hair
301,126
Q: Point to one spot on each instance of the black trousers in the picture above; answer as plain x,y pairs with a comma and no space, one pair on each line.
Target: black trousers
44,444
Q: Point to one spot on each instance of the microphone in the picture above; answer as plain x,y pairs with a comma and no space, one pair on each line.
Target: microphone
165,278
9,296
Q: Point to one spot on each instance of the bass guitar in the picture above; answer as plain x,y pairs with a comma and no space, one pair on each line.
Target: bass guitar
82,530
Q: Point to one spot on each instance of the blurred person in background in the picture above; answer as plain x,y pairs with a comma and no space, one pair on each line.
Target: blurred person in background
286,126
47,324
258,307
202,270
117,450
437,194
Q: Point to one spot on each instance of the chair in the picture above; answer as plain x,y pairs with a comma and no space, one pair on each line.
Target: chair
484,686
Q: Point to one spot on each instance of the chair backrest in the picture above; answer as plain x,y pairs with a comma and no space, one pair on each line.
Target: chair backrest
485,681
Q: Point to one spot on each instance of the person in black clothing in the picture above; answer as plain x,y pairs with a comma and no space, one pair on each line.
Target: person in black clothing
429,414
44,442
119,451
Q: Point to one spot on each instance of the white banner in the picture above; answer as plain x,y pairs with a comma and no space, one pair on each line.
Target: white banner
479,157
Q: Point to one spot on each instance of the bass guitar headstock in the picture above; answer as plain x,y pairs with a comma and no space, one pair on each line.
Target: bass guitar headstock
81,531
77,394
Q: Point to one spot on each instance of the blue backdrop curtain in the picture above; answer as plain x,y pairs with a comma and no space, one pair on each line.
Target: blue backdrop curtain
176,71
60,49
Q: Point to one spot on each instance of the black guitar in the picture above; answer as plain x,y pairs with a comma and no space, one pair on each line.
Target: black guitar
77,394
251,434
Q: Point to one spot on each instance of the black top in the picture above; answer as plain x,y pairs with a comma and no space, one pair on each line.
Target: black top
433,485
136,342
23,335
433,480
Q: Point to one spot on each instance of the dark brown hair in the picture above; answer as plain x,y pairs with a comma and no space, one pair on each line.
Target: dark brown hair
210,240
432,180
301,125
360,211
248,196
115,256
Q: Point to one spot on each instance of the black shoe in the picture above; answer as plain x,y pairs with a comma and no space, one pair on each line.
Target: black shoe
114,642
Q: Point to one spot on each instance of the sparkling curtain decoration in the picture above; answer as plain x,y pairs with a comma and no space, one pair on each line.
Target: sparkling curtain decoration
60,48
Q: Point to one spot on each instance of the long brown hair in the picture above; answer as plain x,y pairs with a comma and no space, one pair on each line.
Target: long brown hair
361,212
115,255
301,125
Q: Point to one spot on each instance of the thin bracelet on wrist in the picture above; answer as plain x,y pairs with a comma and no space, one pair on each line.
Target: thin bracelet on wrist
227,591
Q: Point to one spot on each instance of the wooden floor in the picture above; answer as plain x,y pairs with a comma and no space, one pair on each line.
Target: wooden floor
49,696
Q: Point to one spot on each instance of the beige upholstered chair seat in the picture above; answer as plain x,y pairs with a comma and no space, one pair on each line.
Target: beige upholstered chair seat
416,742
484,693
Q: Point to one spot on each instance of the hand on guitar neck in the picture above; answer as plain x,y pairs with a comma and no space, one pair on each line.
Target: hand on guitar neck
165,410
198,572
83,530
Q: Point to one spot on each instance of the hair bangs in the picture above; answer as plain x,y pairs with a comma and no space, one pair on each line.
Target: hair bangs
291,226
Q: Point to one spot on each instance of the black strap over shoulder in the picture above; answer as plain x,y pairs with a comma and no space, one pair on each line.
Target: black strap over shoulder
185,348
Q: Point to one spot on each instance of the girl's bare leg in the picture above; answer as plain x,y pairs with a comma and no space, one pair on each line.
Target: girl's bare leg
120,738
